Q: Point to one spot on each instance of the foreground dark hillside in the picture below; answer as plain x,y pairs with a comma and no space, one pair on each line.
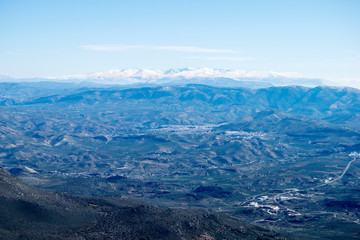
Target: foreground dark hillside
30,213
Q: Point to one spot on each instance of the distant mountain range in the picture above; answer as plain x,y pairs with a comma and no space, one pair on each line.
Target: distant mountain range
208,76
332,104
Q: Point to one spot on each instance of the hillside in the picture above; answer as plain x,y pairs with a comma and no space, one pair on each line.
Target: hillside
31,213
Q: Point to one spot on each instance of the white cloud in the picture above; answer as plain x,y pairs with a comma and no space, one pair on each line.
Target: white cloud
192,49
14,53
111,48
222,58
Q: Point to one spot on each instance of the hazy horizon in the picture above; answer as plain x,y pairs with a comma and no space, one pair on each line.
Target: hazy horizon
60,38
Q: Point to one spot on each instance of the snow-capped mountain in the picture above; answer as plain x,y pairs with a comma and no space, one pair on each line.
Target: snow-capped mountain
218,77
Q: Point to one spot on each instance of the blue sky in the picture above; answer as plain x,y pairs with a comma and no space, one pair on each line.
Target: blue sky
53,38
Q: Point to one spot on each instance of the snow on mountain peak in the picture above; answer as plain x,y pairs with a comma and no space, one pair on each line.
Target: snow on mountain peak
146,74
131,76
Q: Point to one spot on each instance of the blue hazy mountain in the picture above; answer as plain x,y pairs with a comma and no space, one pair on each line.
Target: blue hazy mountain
334,105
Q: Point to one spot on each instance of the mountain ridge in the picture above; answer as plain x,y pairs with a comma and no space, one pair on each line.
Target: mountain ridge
210,76
333,104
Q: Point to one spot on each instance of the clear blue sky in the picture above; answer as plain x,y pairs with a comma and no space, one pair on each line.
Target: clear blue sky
52,38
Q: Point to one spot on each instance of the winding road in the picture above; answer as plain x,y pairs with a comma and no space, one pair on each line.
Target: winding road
276,197
338,178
